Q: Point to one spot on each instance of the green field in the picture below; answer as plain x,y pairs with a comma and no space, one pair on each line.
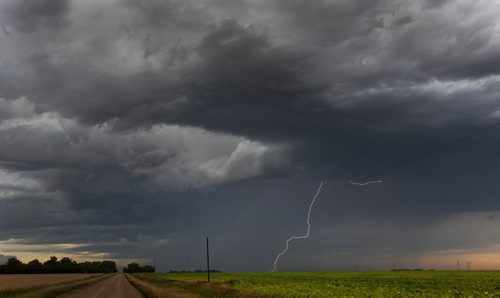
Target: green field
334,284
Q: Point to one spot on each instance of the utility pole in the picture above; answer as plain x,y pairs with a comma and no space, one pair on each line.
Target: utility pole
468,266
208,263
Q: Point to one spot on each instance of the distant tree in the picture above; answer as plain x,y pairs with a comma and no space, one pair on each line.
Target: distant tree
13,265
90,267
132,268
34,267
108,267
51,265
136,268
51,261
65,265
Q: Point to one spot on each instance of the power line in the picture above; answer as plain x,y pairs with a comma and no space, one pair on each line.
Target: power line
392,167
415,158
431,151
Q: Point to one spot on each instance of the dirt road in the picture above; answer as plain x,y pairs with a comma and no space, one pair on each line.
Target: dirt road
115,286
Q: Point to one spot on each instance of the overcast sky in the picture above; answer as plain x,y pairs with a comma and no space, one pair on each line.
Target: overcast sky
131,130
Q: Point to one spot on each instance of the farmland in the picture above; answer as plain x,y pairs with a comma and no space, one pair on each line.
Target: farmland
330,284
17,281
45,285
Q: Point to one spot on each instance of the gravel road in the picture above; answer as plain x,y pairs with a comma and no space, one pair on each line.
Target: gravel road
115,286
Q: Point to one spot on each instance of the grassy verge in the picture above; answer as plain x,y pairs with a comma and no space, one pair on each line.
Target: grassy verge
54,290
151,286
150,289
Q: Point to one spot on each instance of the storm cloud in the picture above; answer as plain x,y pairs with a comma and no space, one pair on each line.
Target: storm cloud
132,129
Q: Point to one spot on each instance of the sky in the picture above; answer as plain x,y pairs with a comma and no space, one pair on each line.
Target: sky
131,130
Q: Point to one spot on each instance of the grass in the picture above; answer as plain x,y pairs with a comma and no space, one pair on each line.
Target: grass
334,284
157,289
154,285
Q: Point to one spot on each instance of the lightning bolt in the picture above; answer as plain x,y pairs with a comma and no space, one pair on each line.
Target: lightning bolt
366,183
299,237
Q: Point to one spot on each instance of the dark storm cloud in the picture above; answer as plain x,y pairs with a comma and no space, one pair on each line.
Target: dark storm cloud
28,16
435,3
138,122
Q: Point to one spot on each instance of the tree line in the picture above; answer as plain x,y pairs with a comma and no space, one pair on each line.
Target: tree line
136,268
53,265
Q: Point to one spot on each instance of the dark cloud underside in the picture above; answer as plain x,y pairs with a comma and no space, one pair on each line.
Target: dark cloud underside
135,128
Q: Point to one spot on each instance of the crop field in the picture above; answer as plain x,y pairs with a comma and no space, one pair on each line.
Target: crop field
18,281
333,284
